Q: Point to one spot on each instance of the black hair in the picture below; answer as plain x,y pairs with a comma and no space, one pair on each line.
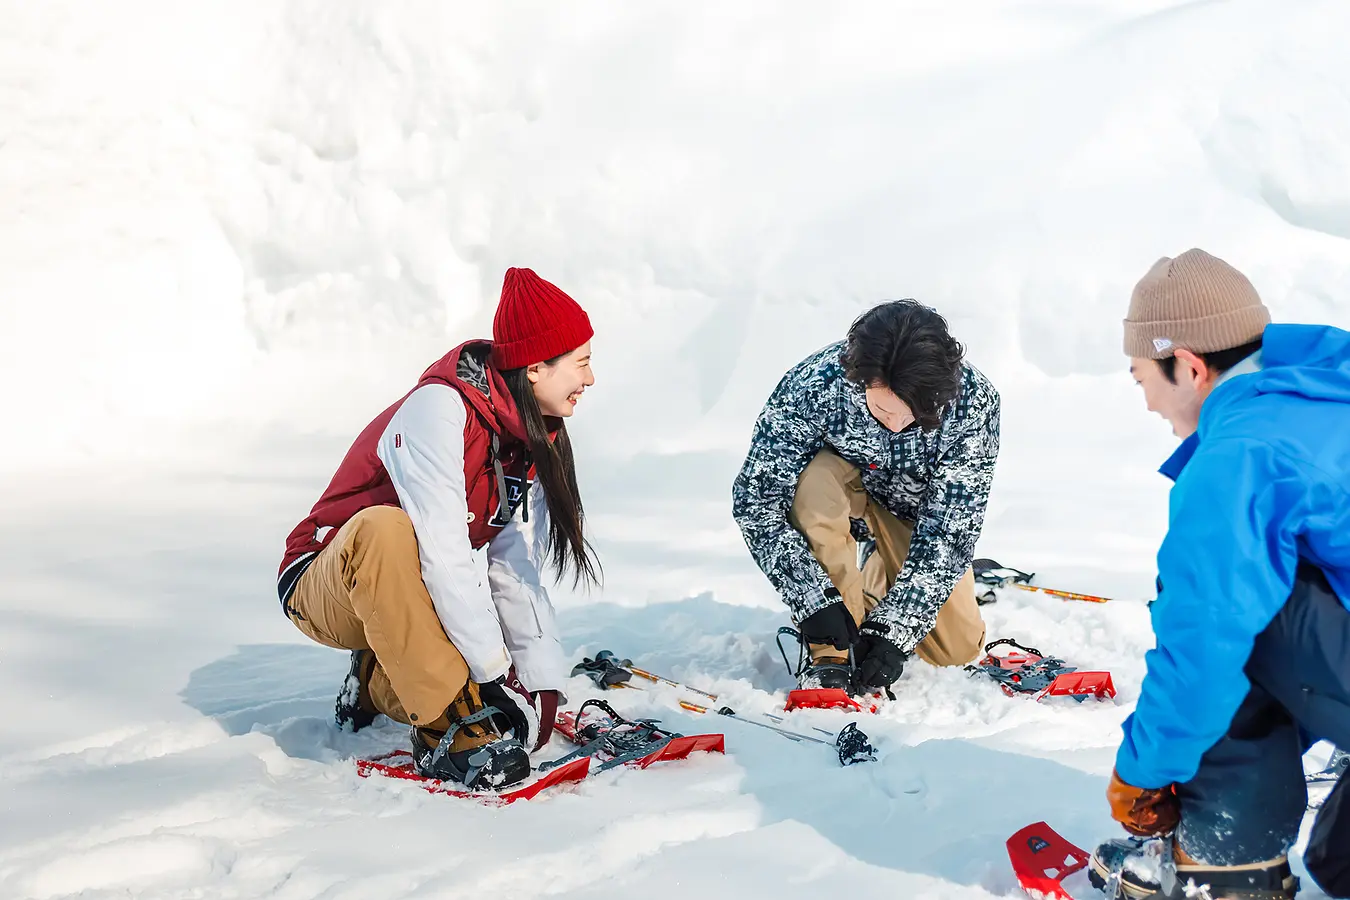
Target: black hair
557,472
1217,361
905,346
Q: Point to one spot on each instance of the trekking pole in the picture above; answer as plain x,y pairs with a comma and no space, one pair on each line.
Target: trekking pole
1067,595
774,718
850,744
731,714
649,676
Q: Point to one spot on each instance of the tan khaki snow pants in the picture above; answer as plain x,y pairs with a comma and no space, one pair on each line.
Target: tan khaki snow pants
830,493
365,591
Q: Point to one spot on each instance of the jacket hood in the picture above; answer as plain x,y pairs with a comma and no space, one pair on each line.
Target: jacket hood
469,369
1311,361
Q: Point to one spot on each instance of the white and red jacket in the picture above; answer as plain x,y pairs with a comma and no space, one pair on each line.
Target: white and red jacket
432,454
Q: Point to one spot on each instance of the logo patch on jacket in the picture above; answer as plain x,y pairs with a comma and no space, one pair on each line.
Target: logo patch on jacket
515,492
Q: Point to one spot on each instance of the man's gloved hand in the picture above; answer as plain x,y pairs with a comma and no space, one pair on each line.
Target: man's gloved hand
1145,812
832,625
879,662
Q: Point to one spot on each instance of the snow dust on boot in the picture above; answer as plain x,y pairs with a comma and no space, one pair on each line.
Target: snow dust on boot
471,750
354,707
1145,869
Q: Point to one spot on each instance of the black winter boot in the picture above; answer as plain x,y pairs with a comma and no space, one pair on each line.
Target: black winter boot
472,750
1143,869
354,706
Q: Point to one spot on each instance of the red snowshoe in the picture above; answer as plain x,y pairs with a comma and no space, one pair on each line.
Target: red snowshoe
1031,672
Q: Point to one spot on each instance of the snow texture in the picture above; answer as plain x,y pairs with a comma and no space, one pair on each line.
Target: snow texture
235,231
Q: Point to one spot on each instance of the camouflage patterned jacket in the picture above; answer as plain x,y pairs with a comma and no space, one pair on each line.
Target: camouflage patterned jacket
938,480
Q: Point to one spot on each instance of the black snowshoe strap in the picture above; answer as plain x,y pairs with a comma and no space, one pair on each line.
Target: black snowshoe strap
1009,642
802,653
458,724
490,759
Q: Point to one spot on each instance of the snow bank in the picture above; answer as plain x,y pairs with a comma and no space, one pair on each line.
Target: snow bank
279,212
234,231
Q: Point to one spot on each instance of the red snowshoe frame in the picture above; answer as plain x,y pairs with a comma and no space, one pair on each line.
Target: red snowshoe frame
1042,859
822,698
1031,672
399,764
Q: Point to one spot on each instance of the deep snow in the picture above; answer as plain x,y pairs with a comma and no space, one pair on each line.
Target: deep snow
234,231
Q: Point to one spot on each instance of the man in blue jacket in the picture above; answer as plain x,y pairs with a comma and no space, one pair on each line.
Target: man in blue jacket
1252,618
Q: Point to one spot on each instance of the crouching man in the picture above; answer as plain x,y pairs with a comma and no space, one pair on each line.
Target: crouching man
886,439
1252,618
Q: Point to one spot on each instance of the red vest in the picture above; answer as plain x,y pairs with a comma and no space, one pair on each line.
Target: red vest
361,480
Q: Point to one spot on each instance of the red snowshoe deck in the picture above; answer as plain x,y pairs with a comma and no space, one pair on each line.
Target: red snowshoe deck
1042,859
399,764
826,698
1082,684
681,747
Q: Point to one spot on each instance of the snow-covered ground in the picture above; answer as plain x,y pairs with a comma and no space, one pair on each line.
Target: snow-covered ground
232,232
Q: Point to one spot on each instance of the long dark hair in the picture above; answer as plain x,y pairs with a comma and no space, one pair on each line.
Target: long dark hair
557,471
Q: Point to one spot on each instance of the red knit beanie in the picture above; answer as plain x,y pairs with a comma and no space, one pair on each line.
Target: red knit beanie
535,322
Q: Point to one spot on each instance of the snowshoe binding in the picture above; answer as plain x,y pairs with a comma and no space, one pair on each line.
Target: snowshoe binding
825,683
1144,869
1028,671
827,672
602,734
473,750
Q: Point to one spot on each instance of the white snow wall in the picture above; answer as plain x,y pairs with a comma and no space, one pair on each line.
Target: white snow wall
220,218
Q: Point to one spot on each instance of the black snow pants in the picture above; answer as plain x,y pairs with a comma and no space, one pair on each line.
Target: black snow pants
1248,799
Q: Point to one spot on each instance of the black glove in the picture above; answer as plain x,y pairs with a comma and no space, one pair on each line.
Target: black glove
880,662
517,706
832,625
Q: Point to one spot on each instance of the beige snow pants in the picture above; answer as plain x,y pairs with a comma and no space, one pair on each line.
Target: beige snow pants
829,494
365,591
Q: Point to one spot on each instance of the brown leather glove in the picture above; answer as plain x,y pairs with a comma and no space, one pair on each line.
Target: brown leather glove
1146,812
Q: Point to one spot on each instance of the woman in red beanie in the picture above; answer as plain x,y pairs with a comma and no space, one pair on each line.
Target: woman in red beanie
475,457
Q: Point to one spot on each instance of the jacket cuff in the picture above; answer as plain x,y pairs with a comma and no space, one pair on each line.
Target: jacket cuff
483,671
811,599
896,634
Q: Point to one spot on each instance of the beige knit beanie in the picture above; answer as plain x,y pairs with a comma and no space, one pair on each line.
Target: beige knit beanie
1195,302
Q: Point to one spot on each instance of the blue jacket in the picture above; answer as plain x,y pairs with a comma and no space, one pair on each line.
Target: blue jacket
1263,483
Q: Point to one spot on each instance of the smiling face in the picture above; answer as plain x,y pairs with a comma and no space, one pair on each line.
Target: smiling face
893,413
559,384
1178,402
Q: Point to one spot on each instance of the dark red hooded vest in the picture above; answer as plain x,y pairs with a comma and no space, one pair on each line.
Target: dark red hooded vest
361,480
